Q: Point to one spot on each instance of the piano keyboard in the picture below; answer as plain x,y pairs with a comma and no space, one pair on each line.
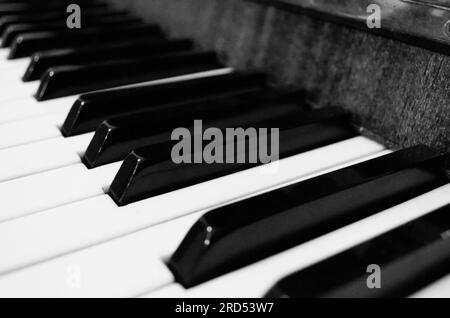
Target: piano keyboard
92,205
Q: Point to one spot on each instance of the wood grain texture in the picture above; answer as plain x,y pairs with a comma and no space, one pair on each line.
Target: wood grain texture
399,92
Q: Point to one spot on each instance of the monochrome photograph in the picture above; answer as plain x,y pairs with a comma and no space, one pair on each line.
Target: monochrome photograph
224,156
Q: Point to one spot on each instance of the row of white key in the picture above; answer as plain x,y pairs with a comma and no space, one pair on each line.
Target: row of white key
348,150
47,234
42,156
125,267
134,265
44,191
255,280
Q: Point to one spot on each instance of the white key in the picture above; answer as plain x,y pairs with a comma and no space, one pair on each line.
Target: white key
125,267
18,65
13,71
4,52
54,232
439,289
28,107
255,280
29,130
10,77
43,191
17,91
42,156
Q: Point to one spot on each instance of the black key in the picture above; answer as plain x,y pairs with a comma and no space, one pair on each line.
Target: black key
91,109
15,30
57,16
116,138
70,80
410,257
42,61
250,230
151,171
28,43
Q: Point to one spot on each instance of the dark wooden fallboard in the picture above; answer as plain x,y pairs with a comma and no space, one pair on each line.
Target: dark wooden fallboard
424,23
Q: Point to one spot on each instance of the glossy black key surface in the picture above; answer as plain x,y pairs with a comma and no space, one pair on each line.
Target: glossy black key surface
40,62
12,31
29,43
91,109
410,257
57,16
116,138
151,171
250,230
70,80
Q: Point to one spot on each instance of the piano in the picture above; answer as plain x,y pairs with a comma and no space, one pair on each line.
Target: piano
92,203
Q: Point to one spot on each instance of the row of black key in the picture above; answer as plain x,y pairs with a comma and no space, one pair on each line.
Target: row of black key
253,229
128,54
410,258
